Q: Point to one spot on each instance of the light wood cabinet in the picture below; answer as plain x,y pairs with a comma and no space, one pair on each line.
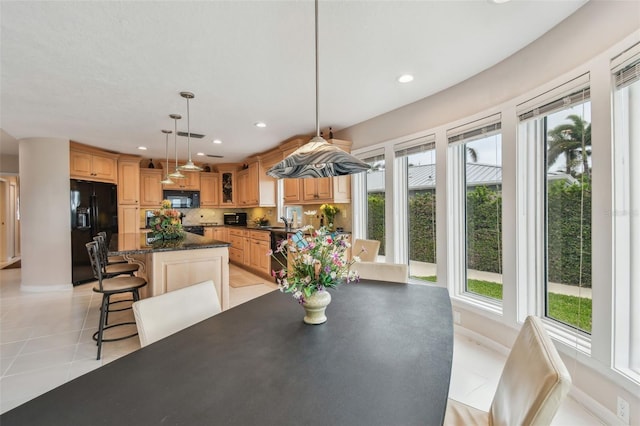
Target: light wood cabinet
255,187
259,259
129,180
216,232
191,182
91,164
236,251
209,189
128,218
151,188
227,188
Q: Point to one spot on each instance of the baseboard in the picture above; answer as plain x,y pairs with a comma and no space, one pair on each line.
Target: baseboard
46,288
589,404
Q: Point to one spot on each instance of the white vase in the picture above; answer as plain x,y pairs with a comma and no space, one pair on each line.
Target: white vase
315,306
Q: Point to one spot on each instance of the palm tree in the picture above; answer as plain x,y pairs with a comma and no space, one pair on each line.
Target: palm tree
574,141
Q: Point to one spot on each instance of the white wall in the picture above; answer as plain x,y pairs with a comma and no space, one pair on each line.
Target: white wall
9,164
584,42
44,208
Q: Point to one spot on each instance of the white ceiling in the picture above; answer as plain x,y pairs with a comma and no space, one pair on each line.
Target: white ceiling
109,73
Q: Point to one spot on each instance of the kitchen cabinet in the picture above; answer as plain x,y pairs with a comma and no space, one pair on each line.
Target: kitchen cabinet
227,188
92,164
209,189
216,232
191,182
129,180
128,218
236,251
260,261
151,188
255,187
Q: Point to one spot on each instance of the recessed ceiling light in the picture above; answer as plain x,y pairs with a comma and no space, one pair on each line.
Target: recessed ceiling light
499,1
142,148
260,124
201,154
405,78
217,141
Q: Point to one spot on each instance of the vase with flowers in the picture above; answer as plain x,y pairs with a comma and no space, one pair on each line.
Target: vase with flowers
316,261
329,212
165,223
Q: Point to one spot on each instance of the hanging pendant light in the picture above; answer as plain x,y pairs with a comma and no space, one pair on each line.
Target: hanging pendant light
317,158
176,174
189,167
167,180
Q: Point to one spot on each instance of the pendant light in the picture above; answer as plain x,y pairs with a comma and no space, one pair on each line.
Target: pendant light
167,180
317,158
176,174
189,167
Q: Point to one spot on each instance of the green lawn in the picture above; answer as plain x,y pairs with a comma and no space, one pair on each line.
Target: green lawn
575,311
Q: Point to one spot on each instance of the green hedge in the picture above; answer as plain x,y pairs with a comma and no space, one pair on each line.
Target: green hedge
484,224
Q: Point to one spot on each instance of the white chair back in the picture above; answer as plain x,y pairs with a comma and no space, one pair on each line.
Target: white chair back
370,252
393,272
160,316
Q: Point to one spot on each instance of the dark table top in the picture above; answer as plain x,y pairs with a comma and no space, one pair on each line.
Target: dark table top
382,358
142,243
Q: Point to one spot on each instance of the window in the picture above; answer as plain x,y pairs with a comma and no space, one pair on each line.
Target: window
476,156
626,217
417,159
374,181
555,152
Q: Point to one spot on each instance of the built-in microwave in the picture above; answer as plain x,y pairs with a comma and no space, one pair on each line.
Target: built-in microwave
183,199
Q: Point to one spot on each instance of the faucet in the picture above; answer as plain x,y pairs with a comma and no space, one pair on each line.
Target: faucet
287,224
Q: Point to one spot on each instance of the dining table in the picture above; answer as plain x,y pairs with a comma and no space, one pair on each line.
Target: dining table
382,358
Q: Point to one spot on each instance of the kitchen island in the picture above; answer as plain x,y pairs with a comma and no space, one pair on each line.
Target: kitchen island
168,265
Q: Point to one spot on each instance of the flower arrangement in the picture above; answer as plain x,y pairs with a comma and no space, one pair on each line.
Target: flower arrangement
316,261
329,212
165,222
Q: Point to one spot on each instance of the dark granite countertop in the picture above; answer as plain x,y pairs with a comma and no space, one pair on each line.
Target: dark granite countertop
143,243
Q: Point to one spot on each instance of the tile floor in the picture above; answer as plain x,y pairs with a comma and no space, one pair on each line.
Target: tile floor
45,340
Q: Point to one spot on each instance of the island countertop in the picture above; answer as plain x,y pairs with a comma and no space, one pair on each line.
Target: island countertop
143,243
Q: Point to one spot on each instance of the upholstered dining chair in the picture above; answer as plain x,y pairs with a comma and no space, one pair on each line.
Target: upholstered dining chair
380,271
160,316
109,287
110,270
366,250
534,382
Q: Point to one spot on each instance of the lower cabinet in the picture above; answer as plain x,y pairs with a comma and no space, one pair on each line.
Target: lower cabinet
249,249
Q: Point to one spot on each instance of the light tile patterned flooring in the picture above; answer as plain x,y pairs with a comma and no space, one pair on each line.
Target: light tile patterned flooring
45,340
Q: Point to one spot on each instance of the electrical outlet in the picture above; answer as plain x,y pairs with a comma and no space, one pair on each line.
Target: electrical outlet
623,410
456,317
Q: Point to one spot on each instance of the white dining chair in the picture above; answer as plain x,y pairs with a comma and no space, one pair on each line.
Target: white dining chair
366,250
160,316
392,272
533,383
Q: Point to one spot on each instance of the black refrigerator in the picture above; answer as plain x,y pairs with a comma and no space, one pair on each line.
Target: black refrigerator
94,208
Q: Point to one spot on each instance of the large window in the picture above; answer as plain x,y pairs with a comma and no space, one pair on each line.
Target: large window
556,132
417,161
375,186
476,154
626,215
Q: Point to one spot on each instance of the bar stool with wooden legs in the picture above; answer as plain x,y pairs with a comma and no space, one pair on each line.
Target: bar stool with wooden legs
109,287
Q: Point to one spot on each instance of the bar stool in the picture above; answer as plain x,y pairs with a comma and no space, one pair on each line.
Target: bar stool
108,287
111,270
111,259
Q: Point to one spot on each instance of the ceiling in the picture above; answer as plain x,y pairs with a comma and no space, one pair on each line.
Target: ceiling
109,73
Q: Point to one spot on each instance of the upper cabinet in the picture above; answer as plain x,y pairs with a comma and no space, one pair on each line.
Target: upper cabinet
150,187
89,163
255,187
228,196
209,189
129,180
191,182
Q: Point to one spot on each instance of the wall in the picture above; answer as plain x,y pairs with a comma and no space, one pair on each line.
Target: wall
9,164
44,208
584,42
